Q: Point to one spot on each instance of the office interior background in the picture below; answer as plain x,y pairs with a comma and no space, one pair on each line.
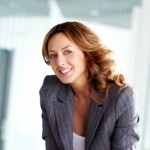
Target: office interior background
123,26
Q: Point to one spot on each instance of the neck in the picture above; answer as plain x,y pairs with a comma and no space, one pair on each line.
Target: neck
81,90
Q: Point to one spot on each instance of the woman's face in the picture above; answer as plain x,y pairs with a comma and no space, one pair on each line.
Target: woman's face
67,59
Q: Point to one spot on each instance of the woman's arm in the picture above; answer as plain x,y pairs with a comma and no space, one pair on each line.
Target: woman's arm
47,134
125,135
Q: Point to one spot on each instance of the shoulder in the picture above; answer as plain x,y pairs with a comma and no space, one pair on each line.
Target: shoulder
50,83
51,79
49,89
123,99
118,91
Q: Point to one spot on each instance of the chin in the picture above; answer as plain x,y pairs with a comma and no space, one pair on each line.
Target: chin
65,81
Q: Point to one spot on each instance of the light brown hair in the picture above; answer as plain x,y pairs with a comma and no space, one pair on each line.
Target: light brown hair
101,67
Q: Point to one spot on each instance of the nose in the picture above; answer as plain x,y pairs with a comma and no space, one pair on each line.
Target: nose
61,60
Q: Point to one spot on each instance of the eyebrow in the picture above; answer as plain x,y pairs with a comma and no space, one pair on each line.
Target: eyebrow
51,50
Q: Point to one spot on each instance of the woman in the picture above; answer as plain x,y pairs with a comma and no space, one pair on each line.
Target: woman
86,105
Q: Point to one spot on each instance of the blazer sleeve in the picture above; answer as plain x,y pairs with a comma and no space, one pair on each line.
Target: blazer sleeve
46,129
125,135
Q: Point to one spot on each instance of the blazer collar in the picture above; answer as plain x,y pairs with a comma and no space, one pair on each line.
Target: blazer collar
95,115
63,108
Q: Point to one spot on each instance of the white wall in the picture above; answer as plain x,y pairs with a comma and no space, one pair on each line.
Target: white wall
141,67
23,124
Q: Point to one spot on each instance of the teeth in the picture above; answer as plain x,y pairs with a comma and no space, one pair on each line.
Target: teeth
65,71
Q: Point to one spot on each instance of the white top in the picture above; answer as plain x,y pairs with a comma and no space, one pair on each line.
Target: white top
78,142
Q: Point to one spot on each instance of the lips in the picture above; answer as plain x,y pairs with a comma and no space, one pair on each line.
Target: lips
63,71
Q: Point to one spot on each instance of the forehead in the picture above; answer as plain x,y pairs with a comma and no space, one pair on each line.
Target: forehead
59,37
59,40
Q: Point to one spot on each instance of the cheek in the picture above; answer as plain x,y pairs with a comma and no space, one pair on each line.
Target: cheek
78,58
53,66
52,63
81,62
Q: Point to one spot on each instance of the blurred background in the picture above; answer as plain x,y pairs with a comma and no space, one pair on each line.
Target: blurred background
123,26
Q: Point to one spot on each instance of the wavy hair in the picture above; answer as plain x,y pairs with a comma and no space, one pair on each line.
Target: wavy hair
101,66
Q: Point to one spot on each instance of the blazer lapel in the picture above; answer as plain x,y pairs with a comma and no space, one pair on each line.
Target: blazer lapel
95,115
63,108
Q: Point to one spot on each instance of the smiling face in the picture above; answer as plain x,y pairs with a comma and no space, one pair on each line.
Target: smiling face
67,59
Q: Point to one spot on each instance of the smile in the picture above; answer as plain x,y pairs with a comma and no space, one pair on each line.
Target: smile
65,70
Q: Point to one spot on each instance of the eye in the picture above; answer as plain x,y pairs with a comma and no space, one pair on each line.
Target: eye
68,52
52,56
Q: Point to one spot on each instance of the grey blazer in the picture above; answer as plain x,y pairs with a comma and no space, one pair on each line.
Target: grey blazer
111,126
